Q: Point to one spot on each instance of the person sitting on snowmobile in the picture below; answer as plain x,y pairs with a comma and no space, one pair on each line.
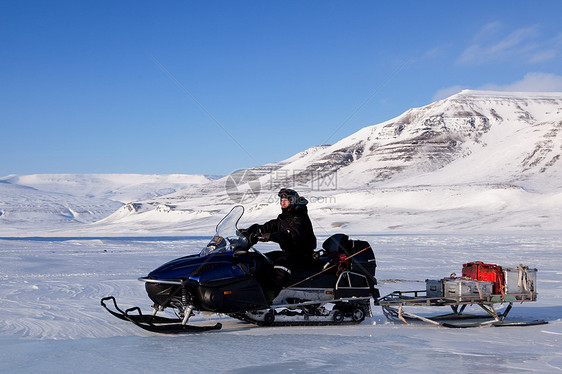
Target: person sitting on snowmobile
293,231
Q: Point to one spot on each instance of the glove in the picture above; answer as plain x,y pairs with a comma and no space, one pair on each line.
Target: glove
264,237
253,239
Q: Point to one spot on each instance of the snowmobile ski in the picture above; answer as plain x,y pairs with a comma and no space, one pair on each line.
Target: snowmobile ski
155,323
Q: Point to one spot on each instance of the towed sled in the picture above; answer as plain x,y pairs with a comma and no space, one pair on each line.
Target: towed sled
482,285
229,276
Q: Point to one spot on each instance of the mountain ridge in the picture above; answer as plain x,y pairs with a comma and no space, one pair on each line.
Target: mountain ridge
471,149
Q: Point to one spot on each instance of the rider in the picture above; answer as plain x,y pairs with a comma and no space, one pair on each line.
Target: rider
293,231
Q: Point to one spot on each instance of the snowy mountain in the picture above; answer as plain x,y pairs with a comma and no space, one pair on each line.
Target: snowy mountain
479,137
119,187
474,161
48,202
22,207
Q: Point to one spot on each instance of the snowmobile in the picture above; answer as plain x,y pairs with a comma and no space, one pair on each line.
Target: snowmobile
230,276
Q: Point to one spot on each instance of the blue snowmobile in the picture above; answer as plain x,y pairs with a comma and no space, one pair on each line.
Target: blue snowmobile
230,276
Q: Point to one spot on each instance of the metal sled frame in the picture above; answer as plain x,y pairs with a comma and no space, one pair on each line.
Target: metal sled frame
394,303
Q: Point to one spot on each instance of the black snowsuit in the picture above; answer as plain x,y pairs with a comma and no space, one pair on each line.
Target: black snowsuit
293,231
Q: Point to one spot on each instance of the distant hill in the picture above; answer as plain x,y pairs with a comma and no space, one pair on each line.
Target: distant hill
32,203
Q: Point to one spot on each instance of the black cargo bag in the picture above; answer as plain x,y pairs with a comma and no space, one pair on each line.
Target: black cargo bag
363,260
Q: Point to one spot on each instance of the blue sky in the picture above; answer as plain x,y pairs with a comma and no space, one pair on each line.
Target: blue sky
215,86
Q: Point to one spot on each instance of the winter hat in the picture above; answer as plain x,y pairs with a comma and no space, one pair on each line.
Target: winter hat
291,195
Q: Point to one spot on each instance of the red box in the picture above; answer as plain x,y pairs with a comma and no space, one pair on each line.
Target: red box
485,272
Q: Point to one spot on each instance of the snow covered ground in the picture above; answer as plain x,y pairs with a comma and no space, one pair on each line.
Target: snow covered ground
52,320
475,177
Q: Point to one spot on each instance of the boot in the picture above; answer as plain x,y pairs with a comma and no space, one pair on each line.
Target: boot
281,275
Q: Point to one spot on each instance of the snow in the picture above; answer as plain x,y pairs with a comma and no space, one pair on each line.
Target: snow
425,205
53,322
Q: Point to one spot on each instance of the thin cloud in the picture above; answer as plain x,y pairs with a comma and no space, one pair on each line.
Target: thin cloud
525,44
531,82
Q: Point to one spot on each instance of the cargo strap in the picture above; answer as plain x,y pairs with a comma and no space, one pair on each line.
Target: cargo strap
343,264
523,281
479,290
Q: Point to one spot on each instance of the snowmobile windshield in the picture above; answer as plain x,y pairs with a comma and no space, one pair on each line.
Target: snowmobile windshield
227,238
